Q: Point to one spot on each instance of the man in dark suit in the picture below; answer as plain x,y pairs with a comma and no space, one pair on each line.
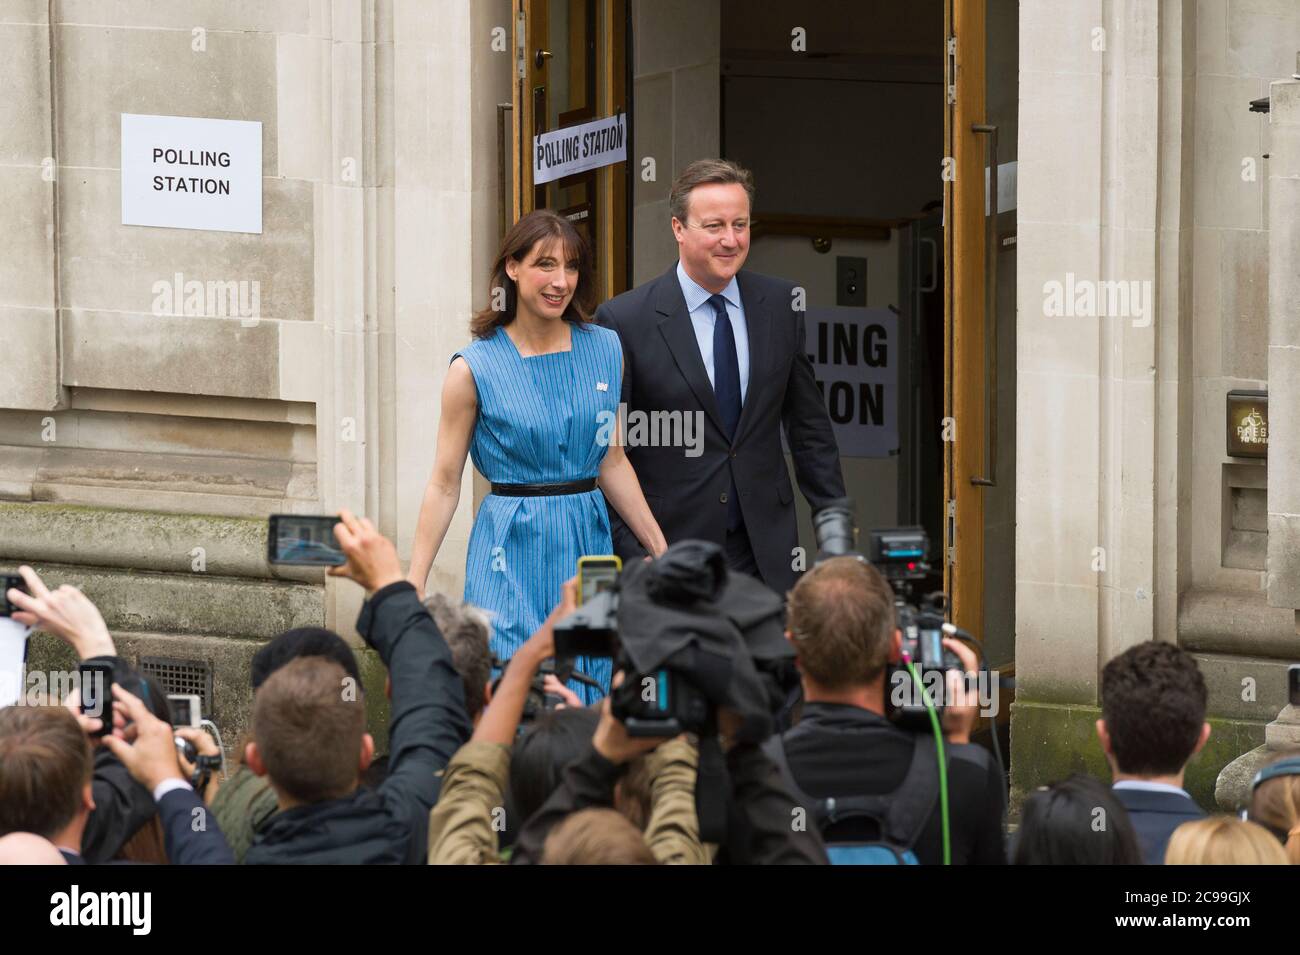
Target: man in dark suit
708,345
1152,722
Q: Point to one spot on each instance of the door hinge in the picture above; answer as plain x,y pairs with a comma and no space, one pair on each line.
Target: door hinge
950,67
950,532
521,44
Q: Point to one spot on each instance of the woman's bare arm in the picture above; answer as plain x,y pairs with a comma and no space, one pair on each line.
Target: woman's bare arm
442,494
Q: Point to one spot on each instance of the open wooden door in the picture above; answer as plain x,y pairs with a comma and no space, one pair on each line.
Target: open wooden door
571,67
967,140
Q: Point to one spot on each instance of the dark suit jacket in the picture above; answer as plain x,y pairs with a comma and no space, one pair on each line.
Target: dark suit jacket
186,843
663,372
1155,817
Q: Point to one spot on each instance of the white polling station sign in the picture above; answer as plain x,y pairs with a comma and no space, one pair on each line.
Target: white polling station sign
854,354
186,172
574,149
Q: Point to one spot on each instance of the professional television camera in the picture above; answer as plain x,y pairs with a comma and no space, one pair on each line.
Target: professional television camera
900,556
688,635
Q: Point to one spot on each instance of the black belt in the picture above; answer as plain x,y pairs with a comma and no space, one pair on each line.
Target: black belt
544,490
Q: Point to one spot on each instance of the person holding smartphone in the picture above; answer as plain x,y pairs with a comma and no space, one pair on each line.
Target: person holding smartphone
534,400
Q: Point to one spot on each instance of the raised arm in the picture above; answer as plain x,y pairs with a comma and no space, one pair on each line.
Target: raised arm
442,494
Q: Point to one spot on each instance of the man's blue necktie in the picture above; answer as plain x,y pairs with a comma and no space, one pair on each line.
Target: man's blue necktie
726,387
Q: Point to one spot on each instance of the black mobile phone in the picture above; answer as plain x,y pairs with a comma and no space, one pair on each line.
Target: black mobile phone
1293,683
306,539
6,581
96,679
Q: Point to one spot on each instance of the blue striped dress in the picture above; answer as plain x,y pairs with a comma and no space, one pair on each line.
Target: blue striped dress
539,420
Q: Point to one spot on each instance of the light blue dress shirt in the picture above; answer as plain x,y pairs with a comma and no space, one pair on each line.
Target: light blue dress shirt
702,317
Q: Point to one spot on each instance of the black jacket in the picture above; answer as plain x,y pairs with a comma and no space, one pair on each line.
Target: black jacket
664,372
841,750
1155,816
190,831
427,725
122,805
761,810
191,835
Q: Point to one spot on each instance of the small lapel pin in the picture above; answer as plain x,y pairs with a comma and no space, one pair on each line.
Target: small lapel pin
602,386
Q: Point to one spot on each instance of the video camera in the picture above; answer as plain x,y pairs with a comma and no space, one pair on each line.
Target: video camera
900,556
659,703
688,635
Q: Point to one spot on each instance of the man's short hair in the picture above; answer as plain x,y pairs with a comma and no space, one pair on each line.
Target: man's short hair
303,642
1153,701
44,766
466,630
308,730
596,837
841,617
702,172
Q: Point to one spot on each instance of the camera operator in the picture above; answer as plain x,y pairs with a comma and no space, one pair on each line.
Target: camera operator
756,797
464,826
841,623
310,741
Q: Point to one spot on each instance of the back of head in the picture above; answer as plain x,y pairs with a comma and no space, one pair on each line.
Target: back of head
303,642
1275,804
596,837
555,739
308,730
1075,822
1153,701
23,848
1223,840
45,764
466,630
841,619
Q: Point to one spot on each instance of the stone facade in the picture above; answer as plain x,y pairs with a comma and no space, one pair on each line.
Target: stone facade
140,452
1133,522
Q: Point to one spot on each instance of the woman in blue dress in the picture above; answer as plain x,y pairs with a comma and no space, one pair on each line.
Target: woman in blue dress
534,400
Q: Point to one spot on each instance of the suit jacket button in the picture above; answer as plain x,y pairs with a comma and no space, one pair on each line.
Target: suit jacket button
722,498
733,454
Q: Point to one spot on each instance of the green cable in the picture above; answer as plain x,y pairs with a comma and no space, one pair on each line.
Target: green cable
943,762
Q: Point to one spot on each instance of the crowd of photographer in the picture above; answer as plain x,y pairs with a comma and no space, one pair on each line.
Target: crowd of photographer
739,730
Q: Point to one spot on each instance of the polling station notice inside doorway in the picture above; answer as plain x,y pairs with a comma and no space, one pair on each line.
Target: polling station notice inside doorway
575,149
187,172
854,354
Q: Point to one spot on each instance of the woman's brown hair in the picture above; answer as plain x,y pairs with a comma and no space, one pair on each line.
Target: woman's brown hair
541,225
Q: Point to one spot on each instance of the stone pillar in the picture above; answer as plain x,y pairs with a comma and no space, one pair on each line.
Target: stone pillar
1104,93
1232,791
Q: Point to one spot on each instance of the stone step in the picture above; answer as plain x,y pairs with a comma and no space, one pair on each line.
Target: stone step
189,603
141,540
180,483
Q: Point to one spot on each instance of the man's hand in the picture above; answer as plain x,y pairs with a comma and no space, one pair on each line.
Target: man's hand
204,745
541,645
67,613
372,558
90,725
611,739
551,684
152,758
963,708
